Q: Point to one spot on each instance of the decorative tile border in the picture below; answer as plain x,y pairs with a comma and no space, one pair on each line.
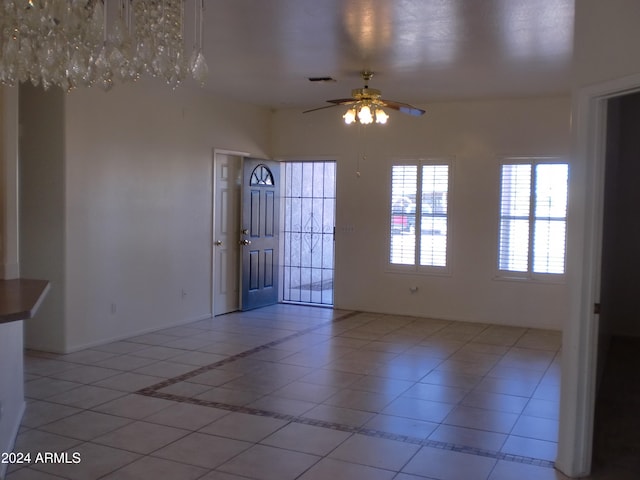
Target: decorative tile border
153,391
148,391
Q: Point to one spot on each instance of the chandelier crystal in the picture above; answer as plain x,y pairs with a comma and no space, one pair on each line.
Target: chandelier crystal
73,43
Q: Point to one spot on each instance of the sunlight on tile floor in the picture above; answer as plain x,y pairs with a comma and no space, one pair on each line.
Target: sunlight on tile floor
296,392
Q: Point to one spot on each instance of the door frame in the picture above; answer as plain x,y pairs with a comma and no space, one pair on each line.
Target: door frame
305,159
580,335
311,158
212,263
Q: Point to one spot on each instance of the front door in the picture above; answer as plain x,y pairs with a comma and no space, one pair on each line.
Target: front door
259,232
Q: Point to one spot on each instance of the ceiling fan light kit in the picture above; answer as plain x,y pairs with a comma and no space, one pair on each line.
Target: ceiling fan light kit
365,116
366,105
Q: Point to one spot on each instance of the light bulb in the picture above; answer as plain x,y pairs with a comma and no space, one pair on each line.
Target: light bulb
364,115
349,116
381,116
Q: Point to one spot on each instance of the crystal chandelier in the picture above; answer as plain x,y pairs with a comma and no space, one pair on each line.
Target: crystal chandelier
73,43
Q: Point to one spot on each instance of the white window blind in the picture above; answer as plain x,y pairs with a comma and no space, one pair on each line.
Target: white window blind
433,224
419,215
404,189
549,238
533,217
514,217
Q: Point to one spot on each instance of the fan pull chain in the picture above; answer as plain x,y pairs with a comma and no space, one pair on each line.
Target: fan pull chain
362,146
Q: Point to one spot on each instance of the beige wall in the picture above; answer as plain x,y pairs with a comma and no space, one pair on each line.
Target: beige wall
606,40
42,199
139,205
136,209
475,135
8,178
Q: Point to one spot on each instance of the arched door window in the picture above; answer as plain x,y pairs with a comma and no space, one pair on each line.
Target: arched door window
261,175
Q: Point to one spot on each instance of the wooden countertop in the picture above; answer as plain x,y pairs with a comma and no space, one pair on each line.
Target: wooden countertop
20,298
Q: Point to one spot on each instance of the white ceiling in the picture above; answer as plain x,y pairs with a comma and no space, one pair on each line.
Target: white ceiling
263,51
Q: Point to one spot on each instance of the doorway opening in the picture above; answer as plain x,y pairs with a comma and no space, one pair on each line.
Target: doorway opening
584,334
246,196
309,200
616,442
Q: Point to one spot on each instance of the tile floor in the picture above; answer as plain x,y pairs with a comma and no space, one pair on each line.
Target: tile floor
296,392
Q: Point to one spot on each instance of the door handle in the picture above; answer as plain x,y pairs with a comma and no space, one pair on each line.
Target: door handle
245,242
218,243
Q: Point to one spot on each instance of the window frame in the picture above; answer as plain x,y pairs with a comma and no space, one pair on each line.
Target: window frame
530,275
416,268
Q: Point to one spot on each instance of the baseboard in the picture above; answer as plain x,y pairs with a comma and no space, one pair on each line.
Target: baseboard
446,318
144,331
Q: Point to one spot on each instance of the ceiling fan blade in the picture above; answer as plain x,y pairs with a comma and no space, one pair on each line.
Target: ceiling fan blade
342,101
403,107
336,102
321,108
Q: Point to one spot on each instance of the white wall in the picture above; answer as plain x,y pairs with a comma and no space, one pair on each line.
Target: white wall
606,40
42,190
476,135
8,178
11,334
138,204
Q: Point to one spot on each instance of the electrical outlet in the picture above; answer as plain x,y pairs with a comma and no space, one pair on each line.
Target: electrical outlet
113,309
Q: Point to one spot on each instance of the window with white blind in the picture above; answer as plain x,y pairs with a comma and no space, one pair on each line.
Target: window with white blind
419,215
533,218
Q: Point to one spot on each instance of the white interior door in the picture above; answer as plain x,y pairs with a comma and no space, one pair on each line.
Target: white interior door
226,228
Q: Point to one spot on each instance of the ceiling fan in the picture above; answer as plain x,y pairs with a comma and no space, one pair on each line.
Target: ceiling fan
366,106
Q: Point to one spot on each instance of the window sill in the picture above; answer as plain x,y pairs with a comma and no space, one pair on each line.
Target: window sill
551,279
422,271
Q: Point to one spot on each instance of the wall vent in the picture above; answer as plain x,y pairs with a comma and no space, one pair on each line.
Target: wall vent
322,79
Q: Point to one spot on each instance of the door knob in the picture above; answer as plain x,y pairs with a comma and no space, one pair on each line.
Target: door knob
245,242
218,243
